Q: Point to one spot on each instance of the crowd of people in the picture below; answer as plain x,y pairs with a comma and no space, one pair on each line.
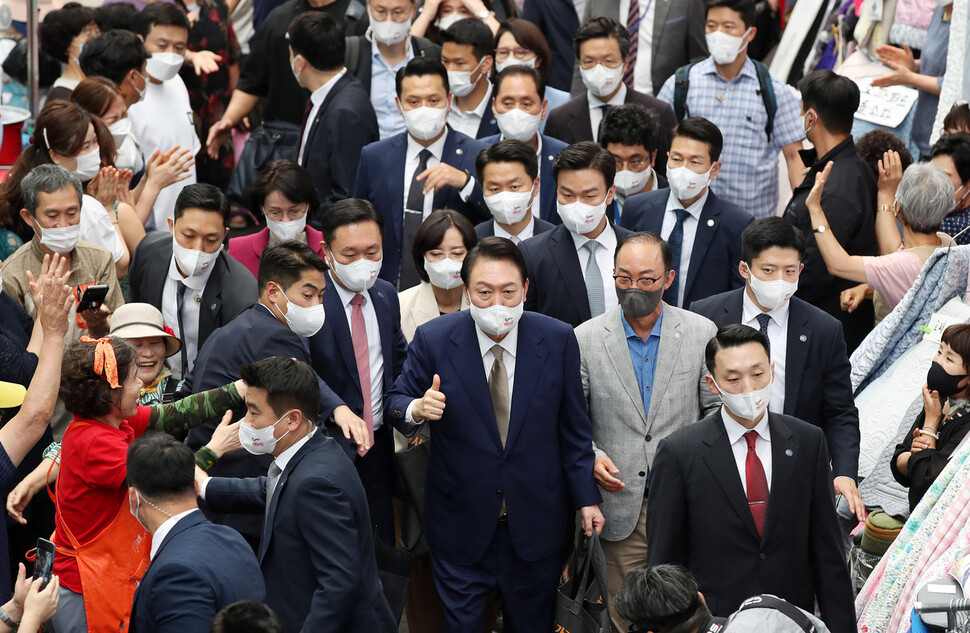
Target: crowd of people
299,288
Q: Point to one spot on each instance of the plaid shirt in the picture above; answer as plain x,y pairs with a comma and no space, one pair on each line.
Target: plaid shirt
749,169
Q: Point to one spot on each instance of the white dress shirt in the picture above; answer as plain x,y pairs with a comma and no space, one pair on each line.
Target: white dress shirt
604,259
596,112
317,97
524,234
411,161
690,231
159,535
383,90
642,72
739,445
468,122
376,352
191,303
778,338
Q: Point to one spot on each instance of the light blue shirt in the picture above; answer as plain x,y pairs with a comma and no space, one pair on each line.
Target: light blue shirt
643,353
383,91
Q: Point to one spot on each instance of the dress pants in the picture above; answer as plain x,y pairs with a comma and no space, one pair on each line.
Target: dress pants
376,471
527,588
622,557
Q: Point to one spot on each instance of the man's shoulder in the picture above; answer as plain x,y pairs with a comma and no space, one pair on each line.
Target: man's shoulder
797,427
731,213
467,143
646,100
380,149
685,440
155,242
281,16
636,204
819,319
92,253
573,105
538,244
589,331
711,307
552,146
695,325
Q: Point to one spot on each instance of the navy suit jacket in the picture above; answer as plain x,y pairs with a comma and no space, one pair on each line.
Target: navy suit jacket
488,126
545,471
199,568
558,21
817,385
716,251
698,517
547,182
317,551
487,228
380,179
332,352
344,124
556,284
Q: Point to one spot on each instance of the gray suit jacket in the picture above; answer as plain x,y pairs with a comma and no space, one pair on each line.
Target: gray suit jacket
678,36
622,430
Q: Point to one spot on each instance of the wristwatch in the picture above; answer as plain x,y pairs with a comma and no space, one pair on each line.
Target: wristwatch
6,619
819,229
484,14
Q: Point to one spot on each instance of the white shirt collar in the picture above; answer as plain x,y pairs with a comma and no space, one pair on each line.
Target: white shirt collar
618,99
695,209
437,148
607,238
479,110
196,283
508,343
318,95
735,431
346,296
750,312
527,232
164,529
284,458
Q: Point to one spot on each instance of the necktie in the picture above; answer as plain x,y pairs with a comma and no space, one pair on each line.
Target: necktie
676,242
763,320
358,332
306,117
180,300
413,216
272,478
633,18
498,387
754,473
594,281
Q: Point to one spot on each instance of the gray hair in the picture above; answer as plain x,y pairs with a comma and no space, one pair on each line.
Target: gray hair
51,178
925,197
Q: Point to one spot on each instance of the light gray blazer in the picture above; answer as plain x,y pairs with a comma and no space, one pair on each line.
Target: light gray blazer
622,430
678,36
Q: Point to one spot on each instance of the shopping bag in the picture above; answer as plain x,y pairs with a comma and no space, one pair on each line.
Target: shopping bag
581,604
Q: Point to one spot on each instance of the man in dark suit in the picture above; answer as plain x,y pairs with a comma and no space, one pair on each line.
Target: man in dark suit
744,499
509,173
631,132
339,119
398,173
807,345
603,48
197,567
317,550
186,274
466,52
571,266
558,21
513,455
360,349
703,231
520,106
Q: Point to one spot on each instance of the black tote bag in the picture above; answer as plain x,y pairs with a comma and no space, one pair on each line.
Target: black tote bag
581,603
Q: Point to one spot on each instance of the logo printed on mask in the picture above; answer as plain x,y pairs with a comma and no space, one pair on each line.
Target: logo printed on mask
771,294
388,31
509,207
686,183
601,80
425,123
579,217
192,262
444,273
357,276
260,441
749,405
498,319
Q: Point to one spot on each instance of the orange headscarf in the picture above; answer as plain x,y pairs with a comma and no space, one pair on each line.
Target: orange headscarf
105,363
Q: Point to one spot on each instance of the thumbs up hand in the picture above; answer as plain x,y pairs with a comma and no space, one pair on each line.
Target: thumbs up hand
432,405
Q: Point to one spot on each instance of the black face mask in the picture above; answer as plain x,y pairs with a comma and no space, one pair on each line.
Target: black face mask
938,380
639,303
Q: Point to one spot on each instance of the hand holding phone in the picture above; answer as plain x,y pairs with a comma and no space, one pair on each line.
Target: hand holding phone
44,563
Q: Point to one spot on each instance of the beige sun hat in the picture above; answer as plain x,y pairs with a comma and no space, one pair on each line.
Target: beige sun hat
143,320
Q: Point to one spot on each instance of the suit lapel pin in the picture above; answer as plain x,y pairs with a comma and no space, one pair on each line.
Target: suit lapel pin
789,452
459,151
212,307
802,338
710,223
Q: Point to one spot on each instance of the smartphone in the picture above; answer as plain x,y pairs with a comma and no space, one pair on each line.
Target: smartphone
92,298
44,563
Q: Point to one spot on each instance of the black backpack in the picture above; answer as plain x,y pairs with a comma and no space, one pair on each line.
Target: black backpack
765,88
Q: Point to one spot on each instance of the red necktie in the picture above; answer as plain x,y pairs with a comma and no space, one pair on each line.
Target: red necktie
358,332
633,18
754,473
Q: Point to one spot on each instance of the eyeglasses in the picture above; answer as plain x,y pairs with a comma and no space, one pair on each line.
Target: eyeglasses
398,15
520,53
637,164
643,283
609,62
279,215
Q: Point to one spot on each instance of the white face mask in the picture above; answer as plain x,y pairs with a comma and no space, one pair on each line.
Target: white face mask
259,441
518,124
771,294
685,183
425,123
444,273
581,218
61,240
192,262
129,156
630,182
512,61
164,66
601,80
358,276
88,165
460,81
509,207
286,230
388,31
725,48
303,321
496,320
120,130
143,91
134,512
747,406
445,23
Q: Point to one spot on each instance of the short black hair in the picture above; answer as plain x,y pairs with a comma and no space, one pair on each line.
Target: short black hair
744,8
246,616
585,155
432,231
286,262
773,231
835,98
646,237
204,197
494,248
700,129
113,55
119,15
421,67
162,14
288,383
161,467
520,70
287,177
318,38
61,26
470,32
957,147
733,335
631,124
599,28
662,599
874,143
349,211
958,118
508,151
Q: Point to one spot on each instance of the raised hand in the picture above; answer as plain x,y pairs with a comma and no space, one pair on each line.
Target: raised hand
225,437
890,172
